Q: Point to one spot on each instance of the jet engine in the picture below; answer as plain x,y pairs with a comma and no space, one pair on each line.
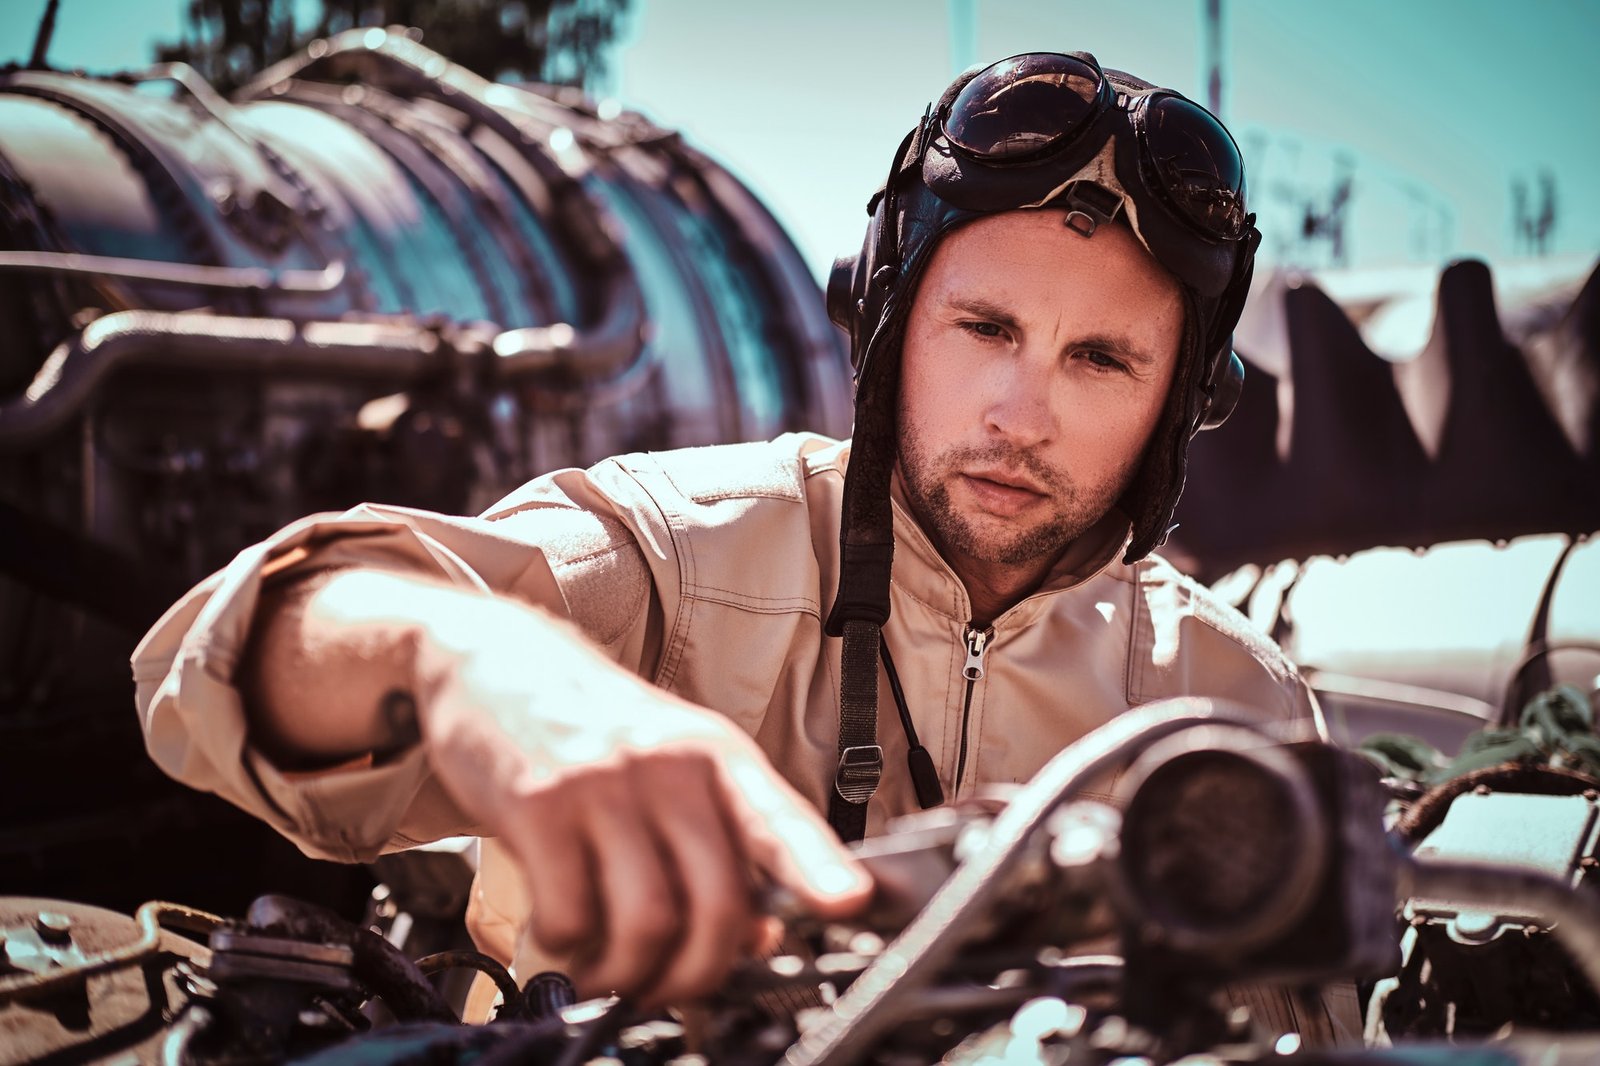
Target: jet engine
370,275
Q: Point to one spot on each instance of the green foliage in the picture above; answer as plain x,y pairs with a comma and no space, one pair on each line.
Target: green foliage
1557,729
558,41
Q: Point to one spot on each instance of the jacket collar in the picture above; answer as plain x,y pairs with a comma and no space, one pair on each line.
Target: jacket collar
921,571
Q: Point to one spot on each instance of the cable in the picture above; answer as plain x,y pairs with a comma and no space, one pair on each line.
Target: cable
924,776
473,960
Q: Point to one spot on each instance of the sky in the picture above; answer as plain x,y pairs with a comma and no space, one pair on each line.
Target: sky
1437,102
1434,106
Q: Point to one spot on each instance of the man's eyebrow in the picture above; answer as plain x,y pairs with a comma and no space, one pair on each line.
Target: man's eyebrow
1121,347
979,307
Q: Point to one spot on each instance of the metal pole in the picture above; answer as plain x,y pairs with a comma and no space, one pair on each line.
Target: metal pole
1212,35
41,43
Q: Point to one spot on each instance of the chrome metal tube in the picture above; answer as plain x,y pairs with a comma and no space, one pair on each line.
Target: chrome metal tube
602,353
209,343
188,275
923,948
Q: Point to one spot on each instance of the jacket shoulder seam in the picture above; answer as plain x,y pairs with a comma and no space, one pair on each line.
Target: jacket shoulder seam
778,477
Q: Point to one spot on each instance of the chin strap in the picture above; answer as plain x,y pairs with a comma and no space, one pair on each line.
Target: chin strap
860,756
860,611
866,529
861,606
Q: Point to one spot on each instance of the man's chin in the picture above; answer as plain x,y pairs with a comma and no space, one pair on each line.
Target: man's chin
998,541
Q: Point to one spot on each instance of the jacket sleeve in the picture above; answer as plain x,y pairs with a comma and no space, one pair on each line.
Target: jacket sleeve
559,542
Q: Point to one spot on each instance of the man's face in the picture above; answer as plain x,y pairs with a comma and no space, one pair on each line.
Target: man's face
1035,366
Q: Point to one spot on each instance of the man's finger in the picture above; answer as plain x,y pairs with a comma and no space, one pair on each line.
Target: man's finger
718,911
789,841
559,870
641,904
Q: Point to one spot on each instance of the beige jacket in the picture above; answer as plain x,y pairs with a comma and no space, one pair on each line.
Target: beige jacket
710,572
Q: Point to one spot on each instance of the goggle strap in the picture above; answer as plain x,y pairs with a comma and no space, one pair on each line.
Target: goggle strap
889,242
1237,292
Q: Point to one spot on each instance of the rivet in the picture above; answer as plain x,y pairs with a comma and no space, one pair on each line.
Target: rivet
52,927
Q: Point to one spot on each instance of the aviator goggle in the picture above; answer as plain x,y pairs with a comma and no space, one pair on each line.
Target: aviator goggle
1030,130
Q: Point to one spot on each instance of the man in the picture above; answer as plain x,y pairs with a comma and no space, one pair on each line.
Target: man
628,677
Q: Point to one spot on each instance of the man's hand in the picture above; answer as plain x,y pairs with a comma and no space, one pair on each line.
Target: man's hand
643,863
642,824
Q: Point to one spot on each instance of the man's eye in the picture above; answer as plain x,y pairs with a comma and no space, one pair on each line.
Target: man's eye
983,329
1103,361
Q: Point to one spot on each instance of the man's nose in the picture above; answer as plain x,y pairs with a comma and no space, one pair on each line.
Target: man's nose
1018,403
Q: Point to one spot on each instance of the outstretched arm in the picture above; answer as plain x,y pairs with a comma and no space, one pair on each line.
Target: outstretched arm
638,819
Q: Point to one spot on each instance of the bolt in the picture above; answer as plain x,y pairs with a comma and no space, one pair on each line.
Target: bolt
53,928
1591,795
1481,790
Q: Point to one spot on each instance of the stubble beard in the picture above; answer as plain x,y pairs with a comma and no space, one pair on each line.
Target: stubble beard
1073,508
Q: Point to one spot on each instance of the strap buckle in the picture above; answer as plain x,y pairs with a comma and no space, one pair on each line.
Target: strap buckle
860,769
1090,206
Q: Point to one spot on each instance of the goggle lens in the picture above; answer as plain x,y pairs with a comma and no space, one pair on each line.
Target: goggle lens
1023,106
1196,163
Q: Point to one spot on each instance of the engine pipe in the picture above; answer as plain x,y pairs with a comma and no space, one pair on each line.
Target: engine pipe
78,367
187,275
397,352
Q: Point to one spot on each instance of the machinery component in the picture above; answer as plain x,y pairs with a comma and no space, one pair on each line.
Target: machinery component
1338,930
1486,430
370,275
1503,927
51,959
1241,857
615,271
73,975
994,961
1188,799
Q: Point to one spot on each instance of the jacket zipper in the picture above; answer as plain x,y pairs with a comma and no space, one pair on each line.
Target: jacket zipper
977,647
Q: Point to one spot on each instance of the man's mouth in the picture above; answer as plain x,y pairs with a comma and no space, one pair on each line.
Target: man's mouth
1006,479
1002,491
